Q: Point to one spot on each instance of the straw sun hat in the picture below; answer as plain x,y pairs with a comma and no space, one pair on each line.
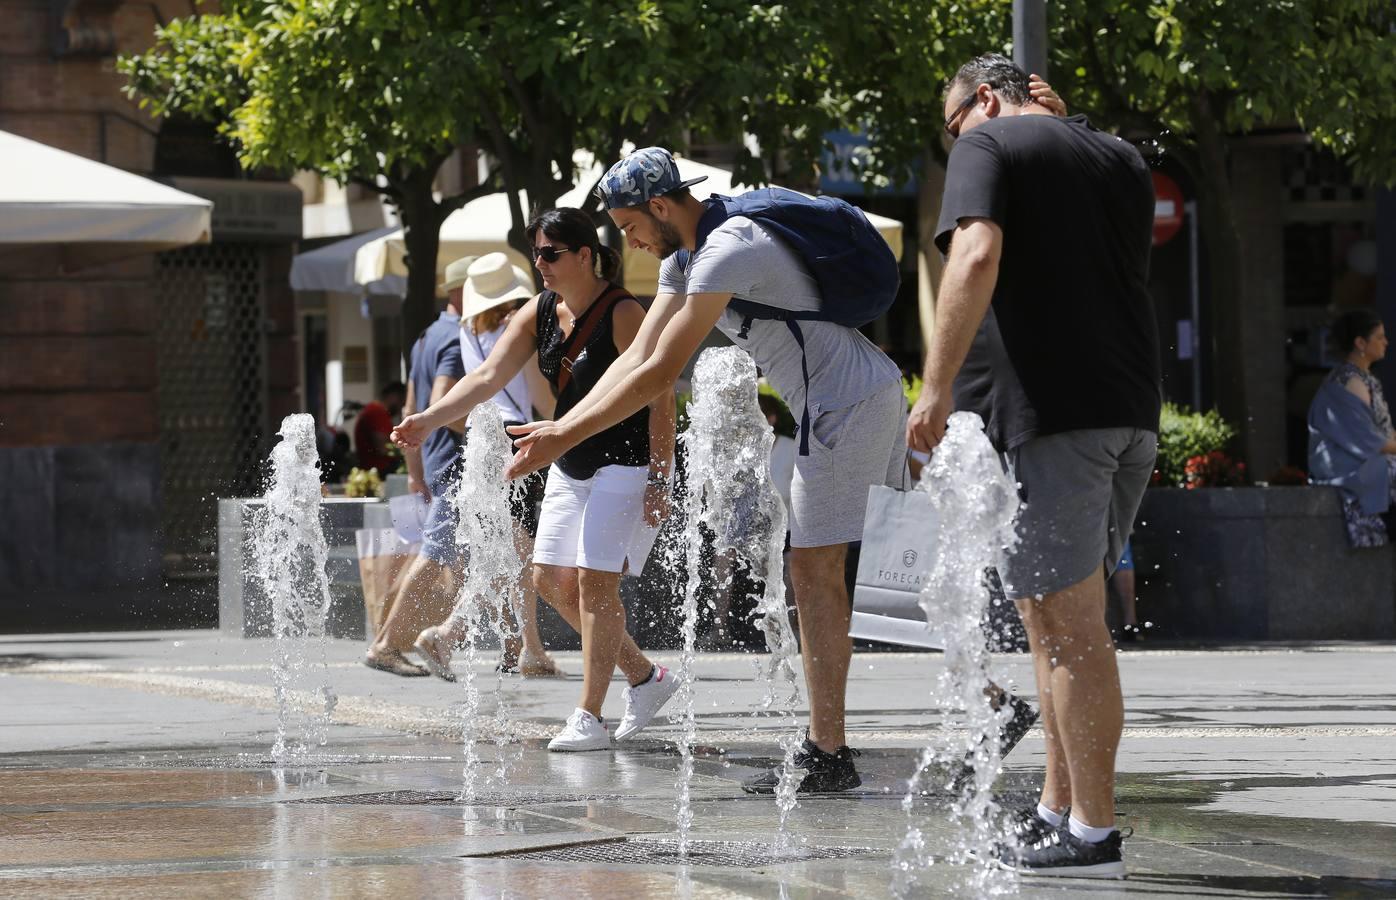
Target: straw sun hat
491,281
454,276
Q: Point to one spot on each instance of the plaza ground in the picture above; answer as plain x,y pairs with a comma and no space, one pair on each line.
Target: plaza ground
138,763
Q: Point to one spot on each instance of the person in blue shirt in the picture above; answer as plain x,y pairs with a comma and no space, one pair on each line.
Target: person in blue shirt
433,471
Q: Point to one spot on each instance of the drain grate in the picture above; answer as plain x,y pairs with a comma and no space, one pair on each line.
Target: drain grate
663,852
450,798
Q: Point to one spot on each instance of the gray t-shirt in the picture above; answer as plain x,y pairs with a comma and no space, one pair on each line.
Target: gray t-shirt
741,258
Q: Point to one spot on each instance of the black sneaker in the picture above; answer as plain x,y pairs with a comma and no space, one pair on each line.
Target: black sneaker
1024,717
1026,827
1063,854
825,773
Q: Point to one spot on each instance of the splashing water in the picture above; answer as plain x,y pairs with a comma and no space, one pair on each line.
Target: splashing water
972,493
729,491
289,553
486,532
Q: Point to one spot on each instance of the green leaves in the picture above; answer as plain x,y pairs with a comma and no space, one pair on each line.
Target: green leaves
1328,64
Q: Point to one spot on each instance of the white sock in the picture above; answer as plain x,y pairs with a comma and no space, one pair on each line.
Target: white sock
1081,831
1050,816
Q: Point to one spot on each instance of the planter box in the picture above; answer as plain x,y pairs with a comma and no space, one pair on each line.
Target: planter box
1259,564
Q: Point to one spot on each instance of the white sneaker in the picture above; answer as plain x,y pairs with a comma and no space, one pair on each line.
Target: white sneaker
583,731
644,701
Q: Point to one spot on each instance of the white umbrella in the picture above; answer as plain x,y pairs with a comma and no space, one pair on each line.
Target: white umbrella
482,226
89,212
331,268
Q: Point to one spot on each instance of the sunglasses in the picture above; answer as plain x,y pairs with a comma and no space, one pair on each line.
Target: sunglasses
952,124
549,254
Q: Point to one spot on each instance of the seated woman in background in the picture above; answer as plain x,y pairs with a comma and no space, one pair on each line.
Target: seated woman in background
1351,442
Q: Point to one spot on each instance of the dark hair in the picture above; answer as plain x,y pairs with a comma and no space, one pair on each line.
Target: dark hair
997,71
393,387
1351,325
574,228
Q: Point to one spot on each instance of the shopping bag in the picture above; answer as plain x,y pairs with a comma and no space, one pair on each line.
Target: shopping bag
384,558
899,539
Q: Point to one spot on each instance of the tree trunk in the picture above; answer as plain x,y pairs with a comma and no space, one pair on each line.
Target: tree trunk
1225,278
421,219
928,259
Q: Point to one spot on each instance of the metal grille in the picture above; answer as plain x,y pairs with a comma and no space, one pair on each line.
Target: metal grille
663,852
440,798
212,386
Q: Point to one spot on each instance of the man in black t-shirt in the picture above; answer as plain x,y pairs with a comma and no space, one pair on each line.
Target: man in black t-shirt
1045,328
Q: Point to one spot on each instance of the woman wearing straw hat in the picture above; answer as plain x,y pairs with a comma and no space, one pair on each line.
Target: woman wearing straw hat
606,498
492,292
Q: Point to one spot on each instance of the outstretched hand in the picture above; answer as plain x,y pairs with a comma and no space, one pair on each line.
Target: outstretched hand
1042,92
411,431
538,445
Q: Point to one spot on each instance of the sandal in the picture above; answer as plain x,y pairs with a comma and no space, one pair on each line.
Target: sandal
394,663
531,666
435,651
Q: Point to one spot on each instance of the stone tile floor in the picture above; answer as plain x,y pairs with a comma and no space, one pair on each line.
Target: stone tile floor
139,765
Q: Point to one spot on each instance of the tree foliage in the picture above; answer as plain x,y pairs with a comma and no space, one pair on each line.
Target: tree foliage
380,92
1178,69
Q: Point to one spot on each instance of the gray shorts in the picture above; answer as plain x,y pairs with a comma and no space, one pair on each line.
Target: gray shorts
1080,491
850,450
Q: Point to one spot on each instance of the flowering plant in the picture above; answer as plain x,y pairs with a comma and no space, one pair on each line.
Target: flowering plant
1184,435
1214,469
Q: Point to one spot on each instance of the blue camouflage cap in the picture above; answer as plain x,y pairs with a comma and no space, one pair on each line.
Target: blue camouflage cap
641,176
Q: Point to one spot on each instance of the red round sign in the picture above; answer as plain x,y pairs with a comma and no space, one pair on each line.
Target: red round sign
1168,208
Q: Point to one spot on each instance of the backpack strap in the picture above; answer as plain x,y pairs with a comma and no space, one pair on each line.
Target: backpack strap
749,312
583,330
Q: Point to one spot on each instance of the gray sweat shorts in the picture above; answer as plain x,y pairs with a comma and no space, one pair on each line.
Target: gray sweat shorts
850,450
1081,491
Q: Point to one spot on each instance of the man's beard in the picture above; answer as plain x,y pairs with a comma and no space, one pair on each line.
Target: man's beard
669,240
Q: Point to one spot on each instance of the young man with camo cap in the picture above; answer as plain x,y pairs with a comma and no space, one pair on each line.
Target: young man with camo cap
856,408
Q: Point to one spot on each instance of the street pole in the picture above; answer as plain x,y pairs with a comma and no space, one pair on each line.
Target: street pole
1030,35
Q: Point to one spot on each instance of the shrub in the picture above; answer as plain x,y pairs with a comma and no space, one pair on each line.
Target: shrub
1215,469
1184,435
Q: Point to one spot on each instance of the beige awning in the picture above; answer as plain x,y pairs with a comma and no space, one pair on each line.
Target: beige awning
89,212
482,227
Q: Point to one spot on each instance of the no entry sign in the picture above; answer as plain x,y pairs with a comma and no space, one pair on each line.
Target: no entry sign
1168,208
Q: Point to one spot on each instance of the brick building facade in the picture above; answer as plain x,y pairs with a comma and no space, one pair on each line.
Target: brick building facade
131,394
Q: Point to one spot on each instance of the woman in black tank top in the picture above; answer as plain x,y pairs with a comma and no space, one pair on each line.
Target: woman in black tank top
624,444
608,494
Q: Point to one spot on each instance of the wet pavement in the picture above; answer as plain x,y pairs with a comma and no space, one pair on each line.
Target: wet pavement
139,764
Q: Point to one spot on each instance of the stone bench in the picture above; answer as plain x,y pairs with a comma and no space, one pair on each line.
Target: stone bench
1259,564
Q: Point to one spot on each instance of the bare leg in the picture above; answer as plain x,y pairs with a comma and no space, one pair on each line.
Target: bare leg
1056,786
532,639
428,593
558,585
1122,583
1078,682
822,599
603,624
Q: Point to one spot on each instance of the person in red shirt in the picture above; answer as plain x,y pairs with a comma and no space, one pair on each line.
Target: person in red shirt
374,424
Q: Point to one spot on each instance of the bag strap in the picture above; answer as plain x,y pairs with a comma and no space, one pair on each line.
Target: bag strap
582,332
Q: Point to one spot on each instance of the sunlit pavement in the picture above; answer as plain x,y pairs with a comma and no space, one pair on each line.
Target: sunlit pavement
139,764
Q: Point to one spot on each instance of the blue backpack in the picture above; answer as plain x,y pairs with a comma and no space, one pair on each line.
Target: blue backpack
851,263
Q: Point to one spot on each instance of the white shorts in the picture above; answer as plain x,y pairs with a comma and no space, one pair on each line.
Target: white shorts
595,523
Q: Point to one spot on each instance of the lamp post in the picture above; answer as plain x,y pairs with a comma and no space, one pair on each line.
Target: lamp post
1030,35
